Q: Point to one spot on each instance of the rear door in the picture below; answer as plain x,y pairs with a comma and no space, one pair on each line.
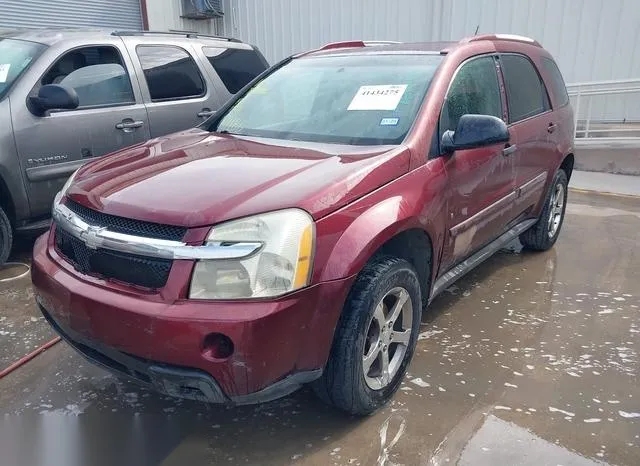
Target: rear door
480,181
110,116
534,123
174,86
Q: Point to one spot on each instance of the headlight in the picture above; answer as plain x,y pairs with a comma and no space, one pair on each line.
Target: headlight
283,264
65,188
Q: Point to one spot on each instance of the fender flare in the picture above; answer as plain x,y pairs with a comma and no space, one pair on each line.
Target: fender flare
368,232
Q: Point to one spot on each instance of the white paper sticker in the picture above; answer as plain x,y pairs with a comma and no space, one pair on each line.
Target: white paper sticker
384,97
389,121
4,72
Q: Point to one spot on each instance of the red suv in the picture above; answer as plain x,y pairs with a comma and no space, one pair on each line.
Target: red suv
296,236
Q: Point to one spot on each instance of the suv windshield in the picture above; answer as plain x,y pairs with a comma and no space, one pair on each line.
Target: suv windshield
359,100
15,58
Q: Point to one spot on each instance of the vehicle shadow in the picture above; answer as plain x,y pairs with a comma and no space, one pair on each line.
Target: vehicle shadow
22,247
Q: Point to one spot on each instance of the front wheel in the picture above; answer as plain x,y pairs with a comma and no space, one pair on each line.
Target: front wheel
375,338
544,234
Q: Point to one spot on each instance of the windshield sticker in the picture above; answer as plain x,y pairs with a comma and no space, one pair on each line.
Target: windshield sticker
4,72
389,121
384,97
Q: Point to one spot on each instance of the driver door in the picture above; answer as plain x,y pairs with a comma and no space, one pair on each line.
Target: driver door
110,116
481,182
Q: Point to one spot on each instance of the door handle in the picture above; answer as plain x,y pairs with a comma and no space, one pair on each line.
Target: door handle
508,150
551,128
128,125
205,113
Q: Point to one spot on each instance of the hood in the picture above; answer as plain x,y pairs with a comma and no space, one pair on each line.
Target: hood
196,178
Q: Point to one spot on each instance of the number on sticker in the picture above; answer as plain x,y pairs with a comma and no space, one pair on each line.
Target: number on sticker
385,97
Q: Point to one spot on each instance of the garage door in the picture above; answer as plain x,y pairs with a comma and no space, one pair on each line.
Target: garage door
116,14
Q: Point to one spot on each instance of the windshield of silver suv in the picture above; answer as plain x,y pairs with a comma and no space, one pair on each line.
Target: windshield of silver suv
349,99
15,58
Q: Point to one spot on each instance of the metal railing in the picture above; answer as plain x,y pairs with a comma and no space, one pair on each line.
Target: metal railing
606,110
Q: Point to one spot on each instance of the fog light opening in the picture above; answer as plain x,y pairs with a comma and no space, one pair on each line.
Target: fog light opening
217,346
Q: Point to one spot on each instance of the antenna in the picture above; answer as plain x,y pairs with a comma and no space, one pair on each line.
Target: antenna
476,33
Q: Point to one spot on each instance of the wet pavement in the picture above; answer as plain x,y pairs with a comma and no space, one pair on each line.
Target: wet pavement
22,327
531,359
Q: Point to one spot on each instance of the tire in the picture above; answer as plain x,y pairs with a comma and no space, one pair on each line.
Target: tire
344,383
541,237
6,237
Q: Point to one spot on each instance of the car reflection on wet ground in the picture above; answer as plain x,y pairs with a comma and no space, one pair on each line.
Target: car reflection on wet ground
530,359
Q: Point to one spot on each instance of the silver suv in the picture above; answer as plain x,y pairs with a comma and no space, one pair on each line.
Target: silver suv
70,95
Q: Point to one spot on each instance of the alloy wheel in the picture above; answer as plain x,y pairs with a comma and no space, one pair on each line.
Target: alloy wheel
556,205
387,338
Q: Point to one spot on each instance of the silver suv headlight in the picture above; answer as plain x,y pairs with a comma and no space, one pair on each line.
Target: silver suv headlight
283,263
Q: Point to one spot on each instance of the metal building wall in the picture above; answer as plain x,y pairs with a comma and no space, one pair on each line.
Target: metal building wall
121,14
591,39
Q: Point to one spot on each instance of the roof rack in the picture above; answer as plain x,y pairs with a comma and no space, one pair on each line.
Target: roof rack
509,37
355,43
187,34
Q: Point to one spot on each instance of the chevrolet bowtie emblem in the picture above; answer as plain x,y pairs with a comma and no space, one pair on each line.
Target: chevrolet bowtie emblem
92,237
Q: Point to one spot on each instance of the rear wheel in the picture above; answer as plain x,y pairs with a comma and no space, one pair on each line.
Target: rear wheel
6,237
544,234
375,338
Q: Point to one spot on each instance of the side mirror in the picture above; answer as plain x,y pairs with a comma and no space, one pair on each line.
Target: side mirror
53,97
475,131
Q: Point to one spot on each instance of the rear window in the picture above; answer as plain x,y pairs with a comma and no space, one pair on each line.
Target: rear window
170,72
236,67
557,82
526,93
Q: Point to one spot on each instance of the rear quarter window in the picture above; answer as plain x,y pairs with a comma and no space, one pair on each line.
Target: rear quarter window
526,93
236,67
557,84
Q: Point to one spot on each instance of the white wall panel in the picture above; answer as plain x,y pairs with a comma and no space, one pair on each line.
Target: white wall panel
591,39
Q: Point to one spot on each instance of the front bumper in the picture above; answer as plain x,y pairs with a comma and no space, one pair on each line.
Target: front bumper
278,344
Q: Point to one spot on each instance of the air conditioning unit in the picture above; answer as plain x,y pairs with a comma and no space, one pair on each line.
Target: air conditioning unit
202,9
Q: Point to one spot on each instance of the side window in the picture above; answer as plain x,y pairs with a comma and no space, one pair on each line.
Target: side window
170,72
526,94
474,90
236,67
97,74
557,82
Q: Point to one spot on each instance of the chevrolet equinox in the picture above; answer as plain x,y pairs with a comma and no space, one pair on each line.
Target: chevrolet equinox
296,236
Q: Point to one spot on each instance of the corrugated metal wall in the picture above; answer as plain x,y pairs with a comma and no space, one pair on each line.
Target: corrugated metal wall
120,14
591,39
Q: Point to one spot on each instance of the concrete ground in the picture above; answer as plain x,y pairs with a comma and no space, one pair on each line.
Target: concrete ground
532,359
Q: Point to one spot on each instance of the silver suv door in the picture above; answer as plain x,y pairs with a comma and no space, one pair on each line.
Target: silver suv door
110,116
176,92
